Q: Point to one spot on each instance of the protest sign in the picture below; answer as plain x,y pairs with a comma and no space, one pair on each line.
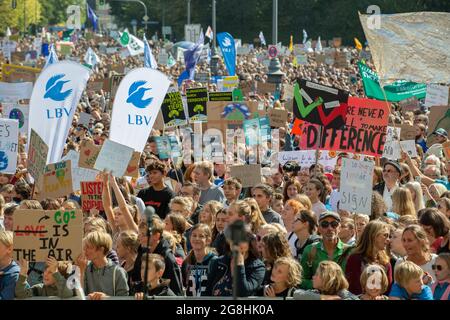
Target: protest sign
355,191
84,119
53,103
37,156
221,96
364,131
278,117
91,195
439,117
9,141
341,60
265,87
391,147
407,132
19,112
133,165
78,174
95,86
306,158
136,106
57,181
115,82
13,73
173,110
319,104
437,95
409,104
88,154
113,157
13,92
197,100
230,83
201,77
249,175
39,234
446,150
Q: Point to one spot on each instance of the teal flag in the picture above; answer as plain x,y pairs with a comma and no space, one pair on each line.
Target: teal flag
397,91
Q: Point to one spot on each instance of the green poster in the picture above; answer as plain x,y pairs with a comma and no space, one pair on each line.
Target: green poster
398,91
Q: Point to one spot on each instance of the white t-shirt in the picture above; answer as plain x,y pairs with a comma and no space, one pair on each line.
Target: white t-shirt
387,197
292,237
427,267
335,196
318,208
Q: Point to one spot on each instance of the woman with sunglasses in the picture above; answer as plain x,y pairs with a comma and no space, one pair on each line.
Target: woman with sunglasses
371,248
304,227
441,268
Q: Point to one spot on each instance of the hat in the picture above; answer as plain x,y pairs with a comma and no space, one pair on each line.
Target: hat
441,132
330,214
395,164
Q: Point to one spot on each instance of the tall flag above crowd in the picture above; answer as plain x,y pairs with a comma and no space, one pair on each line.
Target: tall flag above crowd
228,48
149,59
261,37
52,57
191,58
209,33
92,17
305,36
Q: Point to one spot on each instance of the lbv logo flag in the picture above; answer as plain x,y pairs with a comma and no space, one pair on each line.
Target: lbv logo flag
226,43
53,103
136,105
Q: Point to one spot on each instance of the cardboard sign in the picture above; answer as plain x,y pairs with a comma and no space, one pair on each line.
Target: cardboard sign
391,146
113,157
439,117
39,234
91,195
319,104
114,83
230,115
364,131
265,87
220,96
278,117
37,156
78,174
133,165
407,132
57,180
355,191
95,86
173,110
85,119
9,141
306,158
14,73
446,150
88,154
197,100
437,95
201,77
19,112
249,175
341,60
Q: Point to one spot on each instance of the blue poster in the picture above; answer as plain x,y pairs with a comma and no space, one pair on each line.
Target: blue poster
163,146
227,46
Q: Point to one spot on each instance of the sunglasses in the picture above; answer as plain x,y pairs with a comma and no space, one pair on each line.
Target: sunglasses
326,224
437,267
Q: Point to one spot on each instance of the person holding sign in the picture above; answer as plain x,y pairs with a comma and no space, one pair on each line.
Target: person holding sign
391,180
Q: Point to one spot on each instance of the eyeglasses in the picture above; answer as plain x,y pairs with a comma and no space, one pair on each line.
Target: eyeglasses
437,267
298,219
326,224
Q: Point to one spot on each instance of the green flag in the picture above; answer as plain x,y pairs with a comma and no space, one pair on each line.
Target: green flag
125,38
397,91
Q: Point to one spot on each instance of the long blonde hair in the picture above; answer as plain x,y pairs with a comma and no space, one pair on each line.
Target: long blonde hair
418,202
333,279
256,218
366,243
402,202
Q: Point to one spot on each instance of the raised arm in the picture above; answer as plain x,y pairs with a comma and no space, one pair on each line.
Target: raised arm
107,202
415,171
123,206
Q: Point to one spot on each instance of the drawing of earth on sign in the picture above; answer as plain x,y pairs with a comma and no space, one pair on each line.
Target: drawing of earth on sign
3,160
236,111
18,115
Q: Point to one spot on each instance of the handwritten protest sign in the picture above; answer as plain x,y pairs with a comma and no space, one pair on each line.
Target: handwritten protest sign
196,102
88,154
173,110
319,104
306,158
91,195
439,117
37,156
391,146
9,139
113,157
437,95
79,174
85,119
356,192
19,112
57,180
407,132
278,117
249,175
39,234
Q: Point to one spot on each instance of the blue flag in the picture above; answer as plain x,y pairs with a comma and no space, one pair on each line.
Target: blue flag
226,43
52,57
92,17
191,58
149,59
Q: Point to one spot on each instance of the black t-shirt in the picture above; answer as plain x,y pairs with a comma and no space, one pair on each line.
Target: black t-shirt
157,199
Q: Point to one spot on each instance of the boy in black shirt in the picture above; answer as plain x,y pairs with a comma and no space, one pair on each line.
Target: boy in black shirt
158,195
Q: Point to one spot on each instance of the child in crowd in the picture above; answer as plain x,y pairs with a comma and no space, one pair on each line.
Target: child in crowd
441,288
156,286
54,281
374,283
408,283
9,270
286,276
100,276
232,189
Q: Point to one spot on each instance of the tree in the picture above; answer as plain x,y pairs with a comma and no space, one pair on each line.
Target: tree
15,18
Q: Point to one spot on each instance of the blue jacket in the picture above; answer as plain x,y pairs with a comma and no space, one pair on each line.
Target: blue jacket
8,280
250,276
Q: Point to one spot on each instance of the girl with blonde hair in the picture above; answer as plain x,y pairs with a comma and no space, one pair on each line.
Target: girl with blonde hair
402,202
286,277
417,194
256,219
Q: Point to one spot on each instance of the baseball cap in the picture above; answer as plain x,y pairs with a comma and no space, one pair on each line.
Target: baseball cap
395,164
330,214
441,132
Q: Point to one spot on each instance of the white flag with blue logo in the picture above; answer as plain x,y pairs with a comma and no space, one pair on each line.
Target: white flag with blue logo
91,58
149,59
52,57
136,106
53,103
